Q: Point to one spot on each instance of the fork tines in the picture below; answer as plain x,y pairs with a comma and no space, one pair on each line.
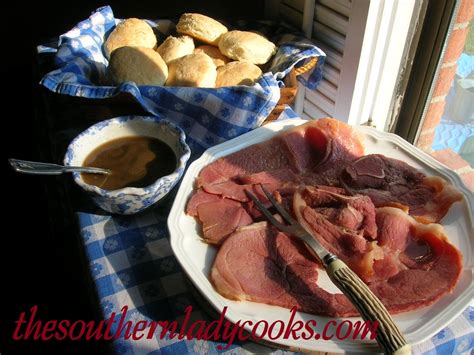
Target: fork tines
280,209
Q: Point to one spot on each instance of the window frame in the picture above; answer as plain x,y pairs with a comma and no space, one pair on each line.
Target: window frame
437,26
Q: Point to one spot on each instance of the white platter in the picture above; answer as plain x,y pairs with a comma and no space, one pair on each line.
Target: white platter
197,257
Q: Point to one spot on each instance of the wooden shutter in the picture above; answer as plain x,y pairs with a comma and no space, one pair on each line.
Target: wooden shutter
365,42
329,29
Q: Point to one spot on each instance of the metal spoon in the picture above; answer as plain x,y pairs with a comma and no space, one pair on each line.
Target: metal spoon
31,167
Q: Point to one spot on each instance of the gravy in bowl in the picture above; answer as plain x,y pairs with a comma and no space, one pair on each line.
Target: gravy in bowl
134,161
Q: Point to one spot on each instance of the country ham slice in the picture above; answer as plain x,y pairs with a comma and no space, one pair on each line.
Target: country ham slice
315,146
335,141
435,209
344,225
351,214
408,265
229,189
219,219
200,197
429,265
258,263
256,158
391,182
278,176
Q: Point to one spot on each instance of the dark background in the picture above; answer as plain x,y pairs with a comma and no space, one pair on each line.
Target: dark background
41,256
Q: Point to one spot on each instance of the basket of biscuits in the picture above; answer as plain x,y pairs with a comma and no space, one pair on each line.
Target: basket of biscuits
215,80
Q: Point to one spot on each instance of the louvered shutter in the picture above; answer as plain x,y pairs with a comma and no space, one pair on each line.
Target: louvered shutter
330,23
364,41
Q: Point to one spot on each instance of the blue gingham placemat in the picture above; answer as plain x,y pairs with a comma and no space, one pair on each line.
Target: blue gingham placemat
132,264
208,116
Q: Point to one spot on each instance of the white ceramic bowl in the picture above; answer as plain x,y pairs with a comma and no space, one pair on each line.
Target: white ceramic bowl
129,200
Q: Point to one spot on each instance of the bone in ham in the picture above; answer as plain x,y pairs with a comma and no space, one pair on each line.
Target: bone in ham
391,182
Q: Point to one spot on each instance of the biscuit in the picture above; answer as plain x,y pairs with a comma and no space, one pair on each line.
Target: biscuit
175,47
201,27
217,57
144,66
130,32
196,70
237,73
246,46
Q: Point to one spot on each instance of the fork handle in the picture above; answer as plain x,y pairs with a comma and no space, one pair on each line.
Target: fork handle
389,337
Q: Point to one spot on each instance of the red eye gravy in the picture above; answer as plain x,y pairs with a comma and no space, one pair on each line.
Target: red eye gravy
134,161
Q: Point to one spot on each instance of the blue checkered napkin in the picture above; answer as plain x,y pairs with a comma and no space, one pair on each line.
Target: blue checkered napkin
208,116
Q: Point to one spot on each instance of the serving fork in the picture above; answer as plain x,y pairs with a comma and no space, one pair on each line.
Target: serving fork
389,336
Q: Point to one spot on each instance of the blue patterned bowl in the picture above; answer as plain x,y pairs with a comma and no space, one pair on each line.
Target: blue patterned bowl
129,200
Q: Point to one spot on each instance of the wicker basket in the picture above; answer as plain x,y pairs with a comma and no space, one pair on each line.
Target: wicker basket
288,93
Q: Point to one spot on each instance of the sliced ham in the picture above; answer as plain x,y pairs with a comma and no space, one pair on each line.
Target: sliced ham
344,225
318,171
229,189
200,197
219,219
316,145
336,143
258,263
234,191
278,176
302,155
407,265
391,182
435,209
429,265
256,158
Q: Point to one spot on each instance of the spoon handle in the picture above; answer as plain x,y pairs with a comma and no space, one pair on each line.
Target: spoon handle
31,167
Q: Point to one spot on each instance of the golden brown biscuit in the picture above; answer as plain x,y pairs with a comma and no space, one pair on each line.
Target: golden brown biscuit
201,27
196,70
247,46
175,47
217,57
237,73
144,66
130,32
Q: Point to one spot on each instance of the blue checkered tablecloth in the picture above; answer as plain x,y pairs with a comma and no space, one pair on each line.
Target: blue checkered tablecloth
132,264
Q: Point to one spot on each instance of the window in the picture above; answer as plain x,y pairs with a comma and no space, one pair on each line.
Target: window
437,114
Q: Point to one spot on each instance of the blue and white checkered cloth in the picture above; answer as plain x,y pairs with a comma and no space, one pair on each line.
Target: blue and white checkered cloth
132,264
208,116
